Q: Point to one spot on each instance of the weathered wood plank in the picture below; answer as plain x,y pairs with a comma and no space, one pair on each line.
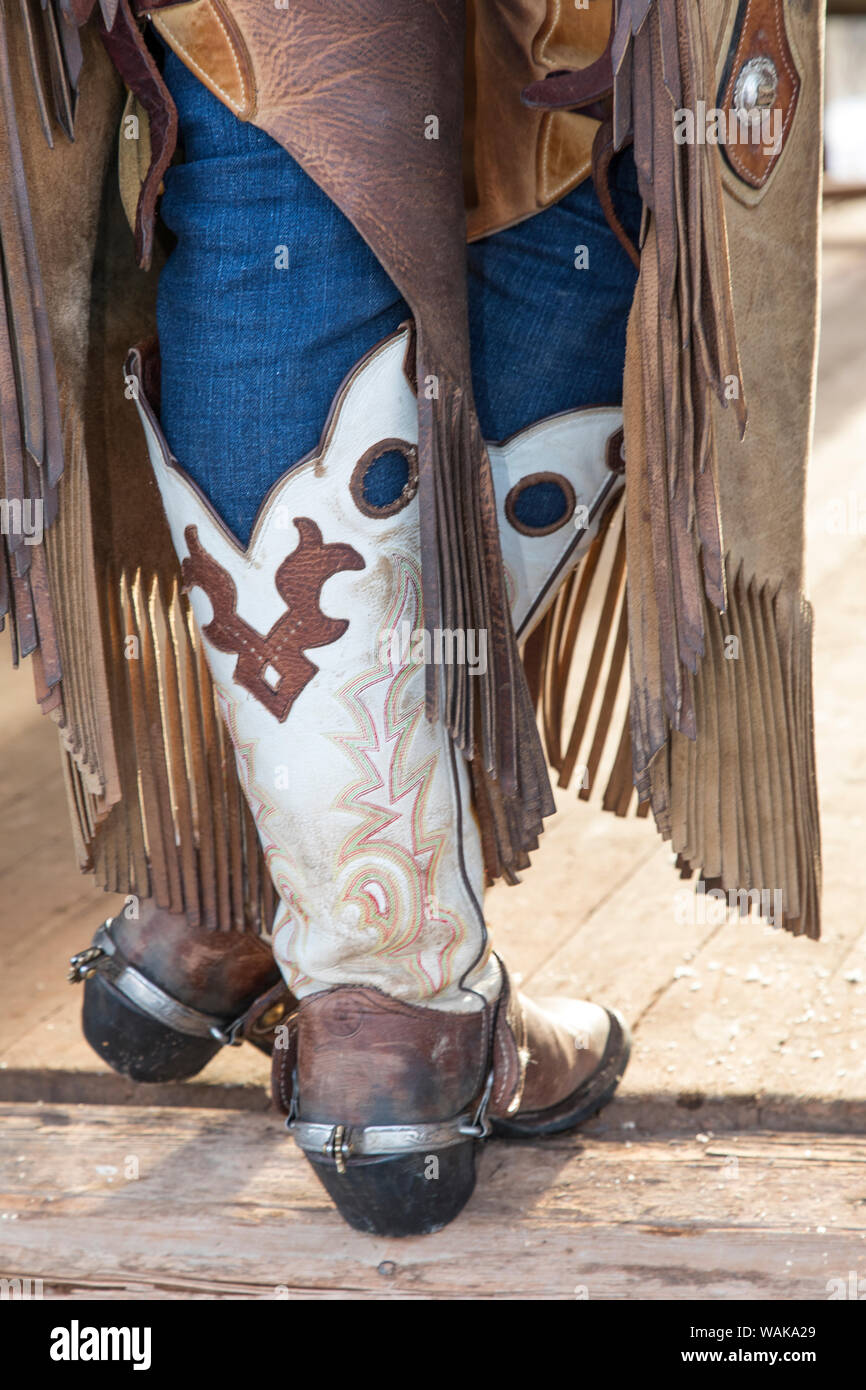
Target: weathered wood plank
223,1205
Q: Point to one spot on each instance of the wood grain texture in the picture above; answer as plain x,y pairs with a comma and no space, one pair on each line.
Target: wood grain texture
224,1205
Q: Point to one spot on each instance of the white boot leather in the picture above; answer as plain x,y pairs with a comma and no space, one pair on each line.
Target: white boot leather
363,806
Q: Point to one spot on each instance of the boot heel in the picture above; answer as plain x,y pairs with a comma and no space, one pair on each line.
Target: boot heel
135,1044
410,1194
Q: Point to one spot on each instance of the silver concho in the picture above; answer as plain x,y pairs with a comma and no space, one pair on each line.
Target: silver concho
756,85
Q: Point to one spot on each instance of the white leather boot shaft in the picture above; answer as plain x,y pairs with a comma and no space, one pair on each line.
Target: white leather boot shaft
314,637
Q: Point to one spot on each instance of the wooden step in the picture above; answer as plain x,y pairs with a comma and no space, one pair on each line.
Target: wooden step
123,1202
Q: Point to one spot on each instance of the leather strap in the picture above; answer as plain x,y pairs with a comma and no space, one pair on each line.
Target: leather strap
365,1141
104,957
602,154
128,51
572,91
578,88
341,1142
589,90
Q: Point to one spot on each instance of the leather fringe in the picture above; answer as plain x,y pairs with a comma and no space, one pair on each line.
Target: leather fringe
83,720
577,671
127,49
490,717
181,831
31,448
53,42
739,803
683,354
155,804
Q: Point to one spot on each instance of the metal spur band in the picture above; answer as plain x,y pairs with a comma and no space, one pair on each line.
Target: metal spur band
103,957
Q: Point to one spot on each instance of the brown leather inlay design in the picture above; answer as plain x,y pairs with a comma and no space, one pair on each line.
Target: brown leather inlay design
299,580
530,480
356,485
762,36
205,37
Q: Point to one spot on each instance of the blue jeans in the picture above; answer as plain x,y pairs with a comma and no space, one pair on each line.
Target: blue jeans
270,297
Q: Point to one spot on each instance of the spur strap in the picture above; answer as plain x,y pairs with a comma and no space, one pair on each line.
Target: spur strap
104,957
341,1142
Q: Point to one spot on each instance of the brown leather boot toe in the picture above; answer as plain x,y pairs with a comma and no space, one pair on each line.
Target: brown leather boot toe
576,1053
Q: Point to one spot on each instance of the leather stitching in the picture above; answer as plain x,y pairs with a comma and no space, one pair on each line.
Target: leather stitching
202,72
240,56
781,50
509,1079
356,482
282,1057
545,33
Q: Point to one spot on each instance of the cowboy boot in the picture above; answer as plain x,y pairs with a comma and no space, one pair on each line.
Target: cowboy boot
161,997
389,1100
315,639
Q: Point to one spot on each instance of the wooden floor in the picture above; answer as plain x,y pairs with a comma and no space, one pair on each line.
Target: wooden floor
734,1163
224,1208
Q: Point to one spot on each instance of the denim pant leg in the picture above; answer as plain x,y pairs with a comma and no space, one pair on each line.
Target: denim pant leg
270,297
548,306
266,302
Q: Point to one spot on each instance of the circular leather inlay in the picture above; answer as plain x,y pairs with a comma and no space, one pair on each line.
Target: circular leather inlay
540,504
365,482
